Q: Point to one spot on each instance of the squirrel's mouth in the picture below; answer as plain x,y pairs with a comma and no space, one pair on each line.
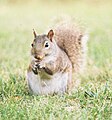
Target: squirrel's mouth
38,58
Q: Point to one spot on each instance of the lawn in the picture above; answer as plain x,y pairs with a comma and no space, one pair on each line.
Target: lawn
93,99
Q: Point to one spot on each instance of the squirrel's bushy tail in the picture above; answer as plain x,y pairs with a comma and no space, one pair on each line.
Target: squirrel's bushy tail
73,40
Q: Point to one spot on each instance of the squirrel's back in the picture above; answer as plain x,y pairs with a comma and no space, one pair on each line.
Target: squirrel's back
72,39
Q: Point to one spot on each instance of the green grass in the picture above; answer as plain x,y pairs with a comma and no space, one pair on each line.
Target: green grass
93,99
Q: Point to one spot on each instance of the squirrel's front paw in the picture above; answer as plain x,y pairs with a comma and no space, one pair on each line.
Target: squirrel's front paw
34,68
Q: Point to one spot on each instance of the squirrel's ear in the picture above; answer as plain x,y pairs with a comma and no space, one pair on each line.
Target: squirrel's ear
50,35
34,33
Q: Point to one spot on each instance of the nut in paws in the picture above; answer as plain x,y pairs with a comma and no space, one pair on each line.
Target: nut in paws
40,65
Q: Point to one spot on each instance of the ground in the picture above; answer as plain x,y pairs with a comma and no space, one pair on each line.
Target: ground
93,99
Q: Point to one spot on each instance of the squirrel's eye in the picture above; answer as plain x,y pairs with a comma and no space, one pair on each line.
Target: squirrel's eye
32,44
46,45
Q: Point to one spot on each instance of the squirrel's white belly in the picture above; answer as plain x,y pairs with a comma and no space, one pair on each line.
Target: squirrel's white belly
57,84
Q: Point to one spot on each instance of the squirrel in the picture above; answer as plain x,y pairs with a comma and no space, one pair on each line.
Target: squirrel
54,57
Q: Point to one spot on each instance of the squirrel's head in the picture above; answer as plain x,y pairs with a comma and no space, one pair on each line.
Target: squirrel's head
42,45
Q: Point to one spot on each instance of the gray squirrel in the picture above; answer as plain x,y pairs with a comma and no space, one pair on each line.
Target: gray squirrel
54,57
